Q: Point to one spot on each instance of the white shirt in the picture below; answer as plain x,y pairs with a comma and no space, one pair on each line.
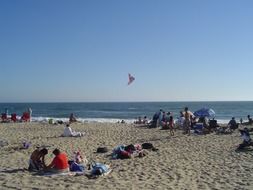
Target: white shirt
67,132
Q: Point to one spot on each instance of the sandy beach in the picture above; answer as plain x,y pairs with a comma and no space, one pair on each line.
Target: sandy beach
182,162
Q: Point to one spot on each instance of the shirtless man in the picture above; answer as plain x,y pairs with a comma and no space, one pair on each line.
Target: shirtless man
187,120
37,159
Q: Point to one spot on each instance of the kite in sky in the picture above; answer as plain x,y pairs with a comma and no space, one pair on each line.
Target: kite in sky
130,79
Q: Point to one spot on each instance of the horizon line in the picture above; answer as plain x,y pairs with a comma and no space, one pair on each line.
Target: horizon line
176,101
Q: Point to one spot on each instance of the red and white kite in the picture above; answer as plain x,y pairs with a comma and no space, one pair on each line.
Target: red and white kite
130,79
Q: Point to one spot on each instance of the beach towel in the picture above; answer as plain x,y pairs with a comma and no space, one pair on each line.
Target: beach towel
75,167
62,174
99,169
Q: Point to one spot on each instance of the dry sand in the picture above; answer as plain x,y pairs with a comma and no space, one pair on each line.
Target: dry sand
182,162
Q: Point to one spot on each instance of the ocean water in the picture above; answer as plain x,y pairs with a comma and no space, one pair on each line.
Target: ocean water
129,111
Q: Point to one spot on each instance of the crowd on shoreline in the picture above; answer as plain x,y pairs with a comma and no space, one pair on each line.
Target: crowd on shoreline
187,121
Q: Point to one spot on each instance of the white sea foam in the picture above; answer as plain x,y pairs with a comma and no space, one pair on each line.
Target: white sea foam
83,120
99,120
223,121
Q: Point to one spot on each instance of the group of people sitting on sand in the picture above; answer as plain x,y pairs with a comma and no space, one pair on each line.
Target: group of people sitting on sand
26,116
72,119
141,121
192,124
166,120
59,164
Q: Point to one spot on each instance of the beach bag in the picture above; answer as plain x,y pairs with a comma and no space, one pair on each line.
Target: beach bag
147,146
26,145
102,149
74,167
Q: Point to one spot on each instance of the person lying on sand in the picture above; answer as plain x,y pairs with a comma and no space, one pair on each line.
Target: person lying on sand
59,163
68,132
37,159
129,151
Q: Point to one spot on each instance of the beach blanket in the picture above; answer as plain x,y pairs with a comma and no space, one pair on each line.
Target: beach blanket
62,174
75,167
98,169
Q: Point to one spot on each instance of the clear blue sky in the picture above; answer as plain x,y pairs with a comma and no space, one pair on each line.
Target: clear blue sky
83,50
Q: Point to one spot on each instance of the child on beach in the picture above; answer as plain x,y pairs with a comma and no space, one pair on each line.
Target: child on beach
171,125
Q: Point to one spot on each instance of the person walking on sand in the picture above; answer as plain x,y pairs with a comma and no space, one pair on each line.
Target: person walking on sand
187,120
29,110
171,125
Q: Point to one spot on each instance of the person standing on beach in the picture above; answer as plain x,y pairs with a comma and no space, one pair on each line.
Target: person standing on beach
29,110
160,118
180,121
6,111
250,121
171,125
187,120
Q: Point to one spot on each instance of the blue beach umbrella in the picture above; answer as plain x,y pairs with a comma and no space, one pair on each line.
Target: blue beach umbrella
204,112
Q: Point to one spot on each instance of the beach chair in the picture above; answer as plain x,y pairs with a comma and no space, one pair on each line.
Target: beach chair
198,128
25,117
4,117
14,117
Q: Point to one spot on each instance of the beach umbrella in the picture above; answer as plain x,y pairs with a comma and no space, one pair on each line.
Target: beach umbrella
204,112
